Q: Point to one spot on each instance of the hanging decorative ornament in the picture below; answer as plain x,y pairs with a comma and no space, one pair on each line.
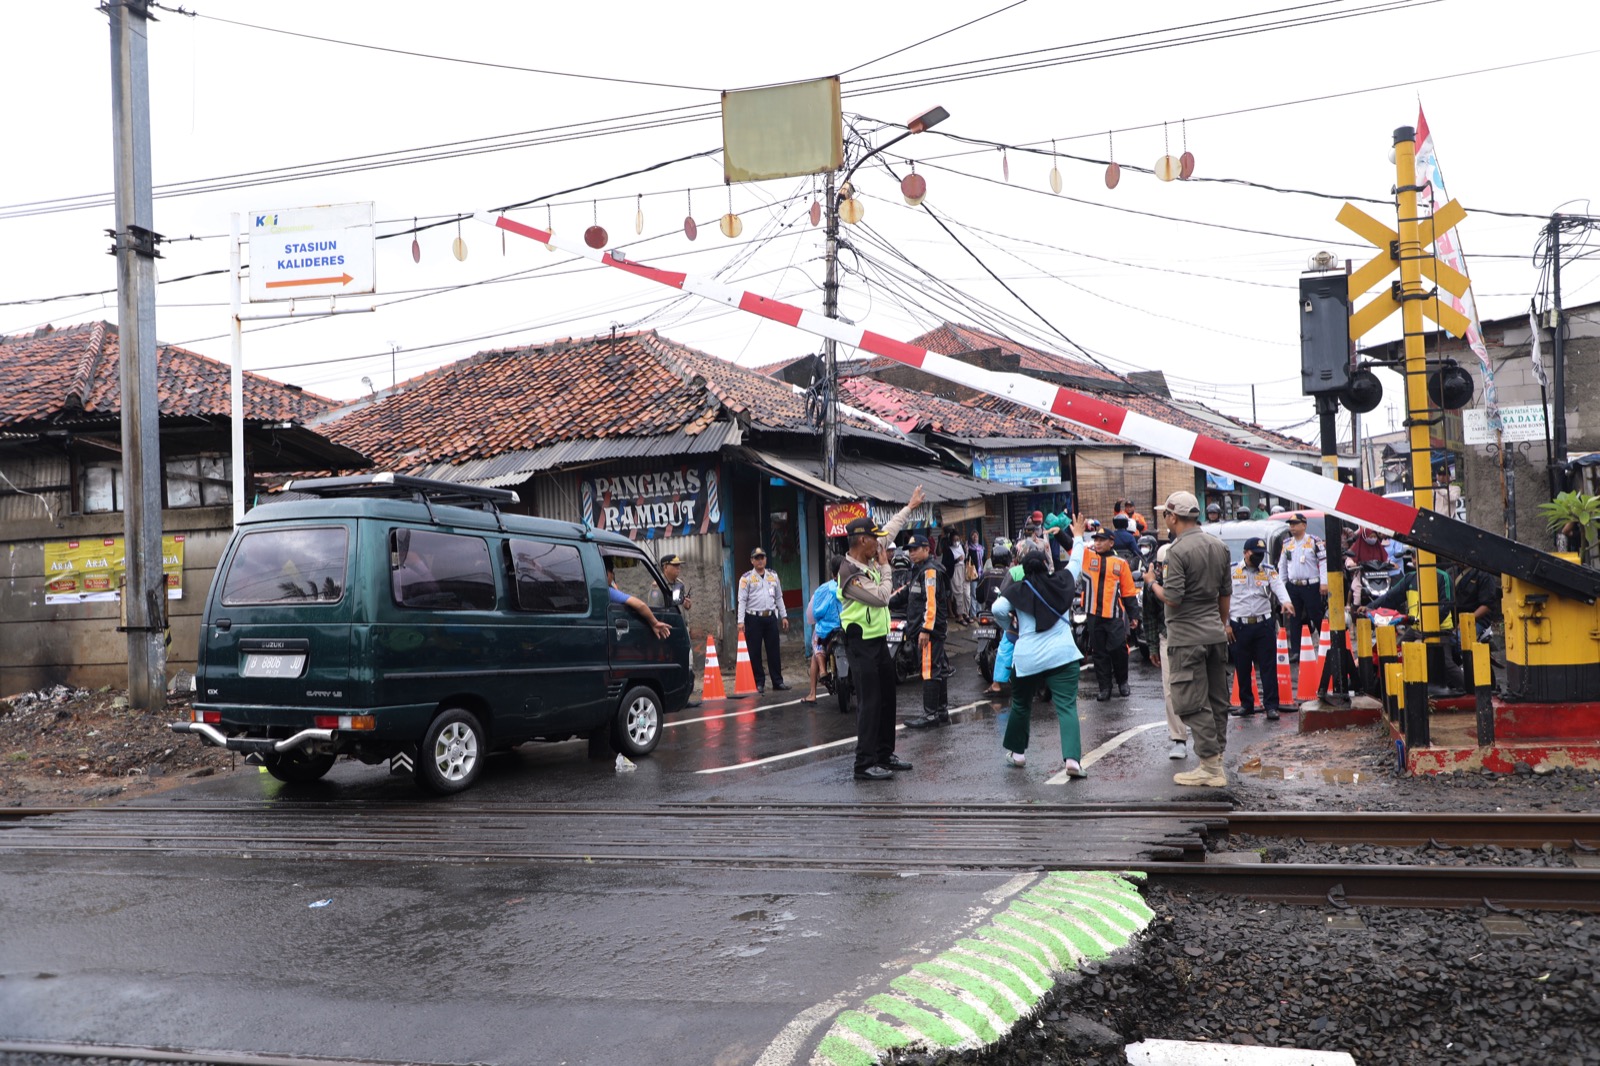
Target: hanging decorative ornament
638,214
458,247
1113,172
1055,171
416,248
502,242
1167,167
731,226
913,187
851,210
1186,160
1005,164
690,230
595,236
816,205
550,227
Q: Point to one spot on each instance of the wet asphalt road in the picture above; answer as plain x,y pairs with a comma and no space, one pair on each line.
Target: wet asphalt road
511,963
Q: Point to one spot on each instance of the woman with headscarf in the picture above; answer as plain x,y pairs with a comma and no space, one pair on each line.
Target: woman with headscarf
1045,655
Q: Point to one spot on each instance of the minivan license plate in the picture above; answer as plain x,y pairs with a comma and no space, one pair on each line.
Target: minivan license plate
257,664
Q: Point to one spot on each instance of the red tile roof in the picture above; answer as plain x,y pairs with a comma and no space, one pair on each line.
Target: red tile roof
923,412
627,385
73,375
952,338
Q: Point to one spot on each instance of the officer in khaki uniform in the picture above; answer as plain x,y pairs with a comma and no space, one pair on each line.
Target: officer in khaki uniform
1196,589
761,615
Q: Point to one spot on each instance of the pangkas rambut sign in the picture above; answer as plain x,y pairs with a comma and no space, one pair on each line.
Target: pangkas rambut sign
658,504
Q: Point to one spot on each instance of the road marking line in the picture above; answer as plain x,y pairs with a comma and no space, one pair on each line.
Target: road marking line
729,714
1105,749
979,989
815,747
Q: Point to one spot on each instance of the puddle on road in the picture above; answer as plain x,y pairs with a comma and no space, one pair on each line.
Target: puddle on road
1334,775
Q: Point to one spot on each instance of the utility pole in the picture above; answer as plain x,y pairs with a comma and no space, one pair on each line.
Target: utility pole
144,596
830,309
1559,382
830,287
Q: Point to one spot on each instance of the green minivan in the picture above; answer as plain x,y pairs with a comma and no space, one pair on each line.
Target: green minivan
411,621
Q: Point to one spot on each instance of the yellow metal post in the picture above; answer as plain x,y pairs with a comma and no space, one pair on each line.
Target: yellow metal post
1413,251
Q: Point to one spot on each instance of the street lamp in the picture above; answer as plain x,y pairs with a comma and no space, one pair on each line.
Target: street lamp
830,288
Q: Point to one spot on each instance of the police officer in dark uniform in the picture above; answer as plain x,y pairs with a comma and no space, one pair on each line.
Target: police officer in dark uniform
928,618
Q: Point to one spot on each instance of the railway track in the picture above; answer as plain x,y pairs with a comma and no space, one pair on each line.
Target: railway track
1167,841
36,1050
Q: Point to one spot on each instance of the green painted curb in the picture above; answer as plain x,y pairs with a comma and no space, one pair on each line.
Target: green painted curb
1065,917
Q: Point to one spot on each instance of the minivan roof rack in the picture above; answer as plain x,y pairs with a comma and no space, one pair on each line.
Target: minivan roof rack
391,486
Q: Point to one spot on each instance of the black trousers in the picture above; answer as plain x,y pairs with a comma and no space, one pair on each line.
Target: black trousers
872,675
935,693
761,631
1255,644
1309,610
1108,652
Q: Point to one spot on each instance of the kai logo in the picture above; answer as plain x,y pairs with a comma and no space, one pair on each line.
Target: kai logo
263,220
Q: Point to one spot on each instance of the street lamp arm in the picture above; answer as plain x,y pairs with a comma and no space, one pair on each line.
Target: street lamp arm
925,121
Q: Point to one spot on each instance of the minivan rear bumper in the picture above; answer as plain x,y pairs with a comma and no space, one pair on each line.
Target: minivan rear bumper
258,745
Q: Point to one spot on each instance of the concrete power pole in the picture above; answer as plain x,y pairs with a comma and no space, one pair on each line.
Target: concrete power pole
144,596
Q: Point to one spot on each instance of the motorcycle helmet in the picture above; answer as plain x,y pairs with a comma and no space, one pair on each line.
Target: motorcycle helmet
901,559
1147,545
1001,556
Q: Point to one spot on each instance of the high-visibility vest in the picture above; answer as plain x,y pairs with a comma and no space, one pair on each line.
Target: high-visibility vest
872,621
1447,614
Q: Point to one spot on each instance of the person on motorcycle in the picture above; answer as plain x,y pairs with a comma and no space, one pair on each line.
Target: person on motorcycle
928,617
1123,539
823,614
1113,607
1406,594
996,576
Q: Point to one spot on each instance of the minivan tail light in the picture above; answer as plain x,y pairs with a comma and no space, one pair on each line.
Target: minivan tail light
345,721
213,717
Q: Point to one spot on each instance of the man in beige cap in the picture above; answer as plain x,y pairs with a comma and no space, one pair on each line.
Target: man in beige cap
1196,588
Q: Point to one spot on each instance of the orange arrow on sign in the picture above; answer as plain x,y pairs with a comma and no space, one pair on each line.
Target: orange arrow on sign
342,279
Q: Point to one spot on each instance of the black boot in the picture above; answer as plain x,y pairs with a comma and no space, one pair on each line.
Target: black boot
935,706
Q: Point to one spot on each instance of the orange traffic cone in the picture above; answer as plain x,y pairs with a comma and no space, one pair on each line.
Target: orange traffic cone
711,688
1285,682
1310,668
1233,698
1324,642
744,679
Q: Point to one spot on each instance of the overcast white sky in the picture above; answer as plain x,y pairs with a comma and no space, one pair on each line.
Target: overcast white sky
1214,308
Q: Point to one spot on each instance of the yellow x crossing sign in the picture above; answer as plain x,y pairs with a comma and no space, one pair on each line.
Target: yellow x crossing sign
1387,302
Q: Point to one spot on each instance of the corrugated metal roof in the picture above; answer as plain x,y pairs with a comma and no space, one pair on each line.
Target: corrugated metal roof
874,479
517,466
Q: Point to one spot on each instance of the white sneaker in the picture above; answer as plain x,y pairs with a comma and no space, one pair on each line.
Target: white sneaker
1180,750
1016,758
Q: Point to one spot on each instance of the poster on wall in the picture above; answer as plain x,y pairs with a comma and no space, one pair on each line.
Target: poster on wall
1018,468
93,569
679,502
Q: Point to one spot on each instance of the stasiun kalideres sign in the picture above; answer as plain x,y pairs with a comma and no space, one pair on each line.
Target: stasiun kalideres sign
664,503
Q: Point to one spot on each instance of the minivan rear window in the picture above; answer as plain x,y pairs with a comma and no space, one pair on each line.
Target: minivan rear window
440,571
288,566
550,577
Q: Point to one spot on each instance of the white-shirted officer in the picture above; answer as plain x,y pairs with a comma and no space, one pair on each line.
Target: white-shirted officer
1251,630
761,615
1304,565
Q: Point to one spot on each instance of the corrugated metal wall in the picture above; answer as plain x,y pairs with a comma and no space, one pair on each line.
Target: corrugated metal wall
27,475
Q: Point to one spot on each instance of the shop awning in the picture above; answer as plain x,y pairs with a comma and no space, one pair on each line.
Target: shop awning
874,479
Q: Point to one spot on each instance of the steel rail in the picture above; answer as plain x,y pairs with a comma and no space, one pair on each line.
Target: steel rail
1437,887
1517,829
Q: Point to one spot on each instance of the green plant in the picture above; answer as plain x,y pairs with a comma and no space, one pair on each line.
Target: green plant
1574,509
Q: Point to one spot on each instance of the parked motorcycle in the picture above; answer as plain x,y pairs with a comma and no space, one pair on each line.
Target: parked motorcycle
986,631
836,673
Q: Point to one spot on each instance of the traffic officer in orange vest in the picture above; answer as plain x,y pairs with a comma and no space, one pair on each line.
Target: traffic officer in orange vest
927,621
1113,606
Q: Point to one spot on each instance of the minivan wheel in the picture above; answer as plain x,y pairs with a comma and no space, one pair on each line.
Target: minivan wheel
452,752
298,767
637,727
